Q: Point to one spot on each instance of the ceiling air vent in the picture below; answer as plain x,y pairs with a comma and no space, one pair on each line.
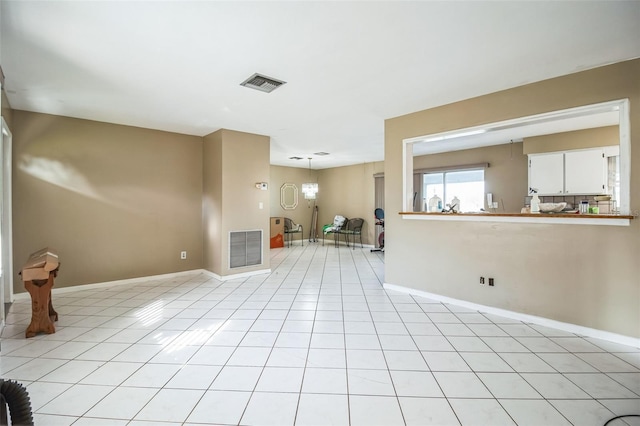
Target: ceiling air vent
295,158
262,83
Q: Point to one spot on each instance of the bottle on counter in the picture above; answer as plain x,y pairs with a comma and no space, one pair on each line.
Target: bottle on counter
584,207
455,204
435,204
535,203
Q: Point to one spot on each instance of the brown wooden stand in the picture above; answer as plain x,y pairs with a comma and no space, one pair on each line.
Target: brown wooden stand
42,313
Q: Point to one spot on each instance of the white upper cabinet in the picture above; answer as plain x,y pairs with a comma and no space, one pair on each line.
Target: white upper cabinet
546,173
584,172
580,172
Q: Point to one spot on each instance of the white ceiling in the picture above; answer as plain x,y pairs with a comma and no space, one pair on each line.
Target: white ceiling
178,65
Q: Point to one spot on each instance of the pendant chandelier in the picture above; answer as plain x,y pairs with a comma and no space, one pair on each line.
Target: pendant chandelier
310,189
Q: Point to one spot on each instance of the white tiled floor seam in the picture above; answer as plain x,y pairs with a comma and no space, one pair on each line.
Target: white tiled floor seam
297,406
404,360
385,358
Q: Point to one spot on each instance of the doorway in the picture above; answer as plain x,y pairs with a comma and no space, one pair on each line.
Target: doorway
379,202
6,237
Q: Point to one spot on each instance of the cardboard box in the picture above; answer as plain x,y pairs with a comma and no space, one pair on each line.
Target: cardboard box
277,232
40,264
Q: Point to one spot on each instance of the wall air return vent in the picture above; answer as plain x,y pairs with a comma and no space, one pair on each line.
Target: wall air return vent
245,248
262,83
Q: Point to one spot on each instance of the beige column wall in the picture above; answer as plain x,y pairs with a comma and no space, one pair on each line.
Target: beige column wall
212,201
116,202
230,192
585,275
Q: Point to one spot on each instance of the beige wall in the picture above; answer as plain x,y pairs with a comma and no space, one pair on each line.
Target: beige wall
301,214
115,201
348,191
505,178
230,192
579,139
585,275
121,202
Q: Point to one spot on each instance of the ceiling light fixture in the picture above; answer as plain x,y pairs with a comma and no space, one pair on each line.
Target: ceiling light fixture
310,189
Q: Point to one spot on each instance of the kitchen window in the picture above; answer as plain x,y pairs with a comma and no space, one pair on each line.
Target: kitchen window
466,185
613,180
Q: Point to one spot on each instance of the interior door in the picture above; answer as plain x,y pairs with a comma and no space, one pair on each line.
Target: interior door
379,203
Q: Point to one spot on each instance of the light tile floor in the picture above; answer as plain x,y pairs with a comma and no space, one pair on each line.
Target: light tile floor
316,342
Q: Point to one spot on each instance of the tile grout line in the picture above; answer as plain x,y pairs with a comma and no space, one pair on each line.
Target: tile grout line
158,390
280,331
259,294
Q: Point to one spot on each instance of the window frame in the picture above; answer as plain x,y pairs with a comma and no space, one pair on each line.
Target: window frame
418,181
621,105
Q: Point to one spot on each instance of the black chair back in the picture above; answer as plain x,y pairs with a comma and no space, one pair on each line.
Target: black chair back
355,225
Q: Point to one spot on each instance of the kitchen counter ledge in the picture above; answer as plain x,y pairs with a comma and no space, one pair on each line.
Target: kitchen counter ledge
543,218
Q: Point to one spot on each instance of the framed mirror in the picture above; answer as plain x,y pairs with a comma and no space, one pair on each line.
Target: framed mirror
289,196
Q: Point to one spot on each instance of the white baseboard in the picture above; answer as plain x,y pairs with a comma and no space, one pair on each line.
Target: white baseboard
61,290
546,322
235,276
330,243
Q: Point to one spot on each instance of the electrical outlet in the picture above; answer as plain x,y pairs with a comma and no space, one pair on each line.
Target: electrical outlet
491,282
183,255
481,280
